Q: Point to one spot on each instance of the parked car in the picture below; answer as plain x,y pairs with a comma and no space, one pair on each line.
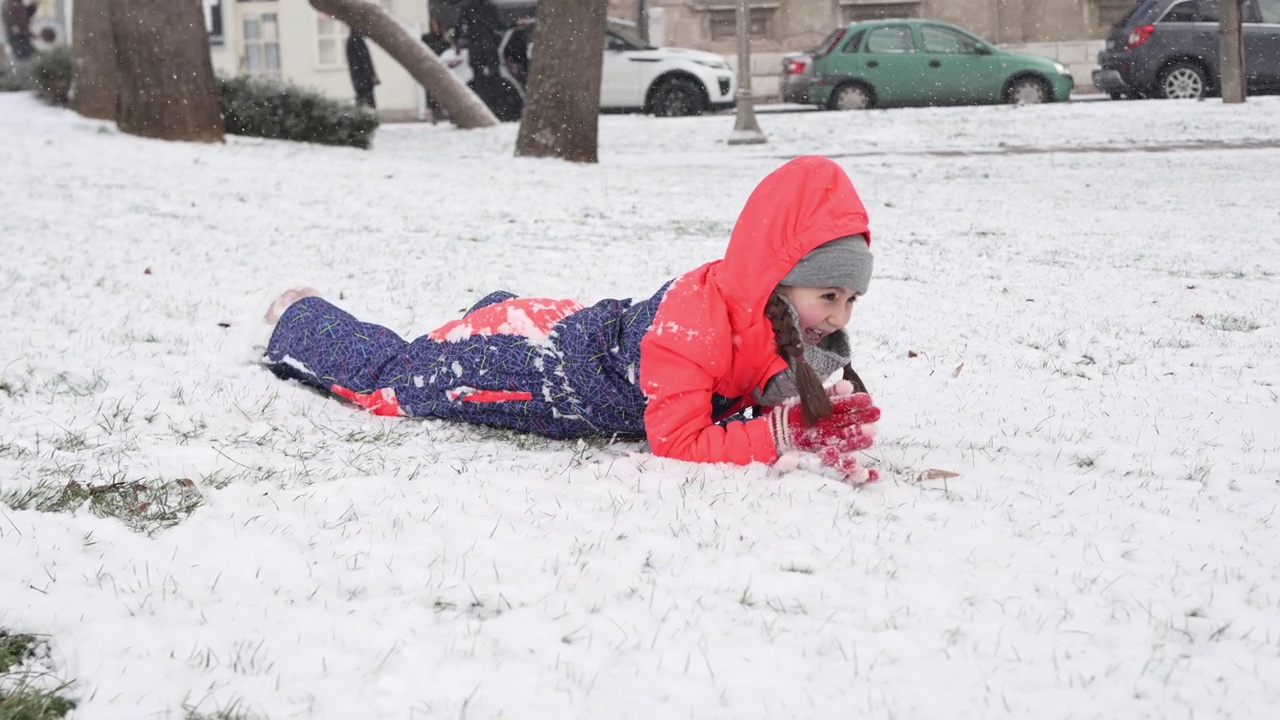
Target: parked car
1169,49
913,62
636,77
797,76
797,70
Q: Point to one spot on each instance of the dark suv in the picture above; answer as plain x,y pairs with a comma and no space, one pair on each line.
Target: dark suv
1169,49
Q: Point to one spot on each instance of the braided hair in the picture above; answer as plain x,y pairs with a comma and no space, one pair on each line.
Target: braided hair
814,401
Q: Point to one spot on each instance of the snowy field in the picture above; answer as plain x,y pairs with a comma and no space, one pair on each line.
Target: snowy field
1075,309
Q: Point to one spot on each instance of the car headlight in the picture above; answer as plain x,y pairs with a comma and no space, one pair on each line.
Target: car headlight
1062,68
714,64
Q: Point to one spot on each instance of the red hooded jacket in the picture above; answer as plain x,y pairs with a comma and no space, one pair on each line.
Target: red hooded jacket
710,335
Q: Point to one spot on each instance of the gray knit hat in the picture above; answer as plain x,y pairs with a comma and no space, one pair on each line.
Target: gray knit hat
845,263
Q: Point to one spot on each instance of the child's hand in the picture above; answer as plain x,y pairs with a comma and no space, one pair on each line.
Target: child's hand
851,426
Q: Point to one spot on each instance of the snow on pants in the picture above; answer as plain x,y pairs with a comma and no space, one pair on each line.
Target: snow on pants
552,367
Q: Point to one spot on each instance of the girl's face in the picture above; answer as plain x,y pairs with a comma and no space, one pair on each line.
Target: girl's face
822,310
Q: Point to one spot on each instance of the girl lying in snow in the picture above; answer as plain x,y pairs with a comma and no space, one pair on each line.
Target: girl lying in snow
758,329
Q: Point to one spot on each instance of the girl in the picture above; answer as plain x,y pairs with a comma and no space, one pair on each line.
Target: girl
757,329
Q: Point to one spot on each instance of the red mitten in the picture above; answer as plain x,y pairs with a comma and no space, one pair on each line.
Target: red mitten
849,428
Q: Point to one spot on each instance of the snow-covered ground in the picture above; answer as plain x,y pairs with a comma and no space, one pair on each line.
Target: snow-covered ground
1075,309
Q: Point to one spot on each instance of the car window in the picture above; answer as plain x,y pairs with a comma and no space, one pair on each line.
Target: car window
626,37
938,39
612,42
892,39
1192,11
829,43
855,41
1270,10
1140,10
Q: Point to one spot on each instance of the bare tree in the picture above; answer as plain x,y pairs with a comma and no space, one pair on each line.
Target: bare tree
465,108
93,53
165,75
562,109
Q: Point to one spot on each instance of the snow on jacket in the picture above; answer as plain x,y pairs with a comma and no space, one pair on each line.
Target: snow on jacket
668,368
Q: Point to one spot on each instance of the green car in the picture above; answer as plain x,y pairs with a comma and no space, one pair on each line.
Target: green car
898,63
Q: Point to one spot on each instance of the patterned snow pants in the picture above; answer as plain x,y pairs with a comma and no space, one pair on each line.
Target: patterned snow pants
552,367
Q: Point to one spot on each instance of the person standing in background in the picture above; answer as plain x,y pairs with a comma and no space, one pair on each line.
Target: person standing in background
479,30
16,17
436,41
363,76
435,38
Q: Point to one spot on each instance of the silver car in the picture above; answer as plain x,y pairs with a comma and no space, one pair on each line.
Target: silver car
797,75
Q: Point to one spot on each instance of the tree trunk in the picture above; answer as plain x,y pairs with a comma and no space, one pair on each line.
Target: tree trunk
562,107
93,53
465,108
165,74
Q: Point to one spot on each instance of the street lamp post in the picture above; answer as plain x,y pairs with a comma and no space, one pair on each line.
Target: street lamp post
1231,50
746,131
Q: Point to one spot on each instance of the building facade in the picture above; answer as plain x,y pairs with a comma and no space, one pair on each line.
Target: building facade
786,25
292,41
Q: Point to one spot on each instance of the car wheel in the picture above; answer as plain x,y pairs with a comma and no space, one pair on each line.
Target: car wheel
1027,91
851,96
1116,95
677,97
1183,81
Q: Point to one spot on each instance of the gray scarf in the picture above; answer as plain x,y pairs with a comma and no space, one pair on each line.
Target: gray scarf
829,355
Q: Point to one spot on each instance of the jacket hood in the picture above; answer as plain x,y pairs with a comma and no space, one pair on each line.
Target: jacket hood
801,205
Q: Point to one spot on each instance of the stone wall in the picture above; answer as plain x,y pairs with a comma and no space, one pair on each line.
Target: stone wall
801,24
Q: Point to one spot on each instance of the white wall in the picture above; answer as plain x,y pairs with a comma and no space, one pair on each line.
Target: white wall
397,96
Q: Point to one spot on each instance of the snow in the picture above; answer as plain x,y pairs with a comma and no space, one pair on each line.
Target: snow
1075,308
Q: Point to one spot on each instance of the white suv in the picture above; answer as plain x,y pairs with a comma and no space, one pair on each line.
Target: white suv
636,77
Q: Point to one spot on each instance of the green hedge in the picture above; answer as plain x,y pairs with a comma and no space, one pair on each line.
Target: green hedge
251,106
51,75
273,109
13,81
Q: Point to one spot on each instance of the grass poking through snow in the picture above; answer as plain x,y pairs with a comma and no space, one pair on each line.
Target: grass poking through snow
27,689
143,507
